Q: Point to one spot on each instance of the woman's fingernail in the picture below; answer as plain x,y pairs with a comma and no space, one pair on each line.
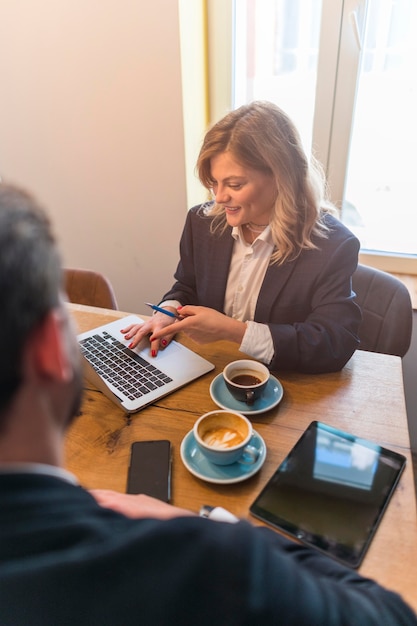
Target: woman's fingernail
164,342
153,352
130,345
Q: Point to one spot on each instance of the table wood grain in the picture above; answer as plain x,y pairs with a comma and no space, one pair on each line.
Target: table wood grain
366,398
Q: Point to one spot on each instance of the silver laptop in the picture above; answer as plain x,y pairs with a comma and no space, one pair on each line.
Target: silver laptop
132,378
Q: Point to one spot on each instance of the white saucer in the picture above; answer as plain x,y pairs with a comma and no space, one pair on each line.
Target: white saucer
199,466
224,399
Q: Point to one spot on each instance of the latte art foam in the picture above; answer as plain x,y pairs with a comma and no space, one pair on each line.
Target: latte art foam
222,438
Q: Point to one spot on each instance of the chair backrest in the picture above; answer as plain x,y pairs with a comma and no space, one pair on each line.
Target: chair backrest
89,287
386,310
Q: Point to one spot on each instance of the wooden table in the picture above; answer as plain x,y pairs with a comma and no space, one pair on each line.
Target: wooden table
366,398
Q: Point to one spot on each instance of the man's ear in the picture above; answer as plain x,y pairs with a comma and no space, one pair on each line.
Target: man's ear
48,347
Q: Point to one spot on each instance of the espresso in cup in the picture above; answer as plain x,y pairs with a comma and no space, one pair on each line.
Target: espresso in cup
246,380
223,437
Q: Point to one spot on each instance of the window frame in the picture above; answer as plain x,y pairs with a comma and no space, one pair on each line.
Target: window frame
338,66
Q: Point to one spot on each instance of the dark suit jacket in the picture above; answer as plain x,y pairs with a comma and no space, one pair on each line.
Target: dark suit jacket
65,561
307,303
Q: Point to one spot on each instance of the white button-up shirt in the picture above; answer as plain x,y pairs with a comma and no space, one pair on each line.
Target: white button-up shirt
247,270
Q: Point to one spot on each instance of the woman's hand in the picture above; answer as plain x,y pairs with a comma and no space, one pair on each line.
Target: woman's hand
157,323
203,325
137,506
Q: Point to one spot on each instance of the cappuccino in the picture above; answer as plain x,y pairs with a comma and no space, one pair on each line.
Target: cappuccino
222,438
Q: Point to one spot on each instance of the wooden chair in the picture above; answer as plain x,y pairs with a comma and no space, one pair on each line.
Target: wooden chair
89,287
386,310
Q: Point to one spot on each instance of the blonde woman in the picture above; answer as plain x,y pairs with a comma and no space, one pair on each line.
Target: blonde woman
266,263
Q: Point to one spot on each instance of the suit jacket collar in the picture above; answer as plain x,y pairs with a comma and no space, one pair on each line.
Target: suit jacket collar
275,279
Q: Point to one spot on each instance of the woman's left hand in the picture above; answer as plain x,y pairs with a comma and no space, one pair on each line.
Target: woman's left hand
204,325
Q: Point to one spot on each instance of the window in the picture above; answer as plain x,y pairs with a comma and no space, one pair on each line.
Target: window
276,48
344,71
379,203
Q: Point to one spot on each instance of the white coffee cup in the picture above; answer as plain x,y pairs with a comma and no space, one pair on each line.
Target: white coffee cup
223,437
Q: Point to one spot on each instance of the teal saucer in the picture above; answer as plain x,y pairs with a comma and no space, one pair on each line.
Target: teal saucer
224,399
197,464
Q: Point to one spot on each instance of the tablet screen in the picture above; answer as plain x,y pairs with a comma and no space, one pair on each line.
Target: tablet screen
331,491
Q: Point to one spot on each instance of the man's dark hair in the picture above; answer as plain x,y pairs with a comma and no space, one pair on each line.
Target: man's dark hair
30,280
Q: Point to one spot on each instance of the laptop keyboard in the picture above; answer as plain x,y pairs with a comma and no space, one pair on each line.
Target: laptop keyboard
124,369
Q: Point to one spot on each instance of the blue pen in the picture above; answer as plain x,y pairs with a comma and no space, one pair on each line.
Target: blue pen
161,310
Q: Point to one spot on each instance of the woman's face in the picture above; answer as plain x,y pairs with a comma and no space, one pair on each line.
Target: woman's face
247,195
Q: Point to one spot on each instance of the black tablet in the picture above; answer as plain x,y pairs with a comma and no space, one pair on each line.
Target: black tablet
331,492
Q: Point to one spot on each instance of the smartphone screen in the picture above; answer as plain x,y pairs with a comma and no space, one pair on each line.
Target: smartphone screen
150,469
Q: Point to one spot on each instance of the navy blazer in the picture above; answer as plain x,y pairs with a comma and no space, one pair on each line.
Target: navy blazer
307,303
65,561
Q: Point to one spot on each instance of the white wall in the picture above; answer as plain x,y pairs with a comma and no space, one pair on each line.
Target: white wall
91,122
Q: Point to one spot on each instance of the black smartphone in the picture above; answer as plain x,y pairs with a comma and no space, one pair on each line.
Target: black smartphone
150,469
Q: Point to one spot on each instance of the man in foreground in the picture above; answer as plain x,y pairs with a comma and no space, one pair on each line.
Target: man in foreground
65,558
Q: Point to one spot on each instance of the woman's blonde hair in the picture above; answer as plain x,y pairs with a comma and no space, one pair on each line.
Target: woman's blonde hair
261,136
